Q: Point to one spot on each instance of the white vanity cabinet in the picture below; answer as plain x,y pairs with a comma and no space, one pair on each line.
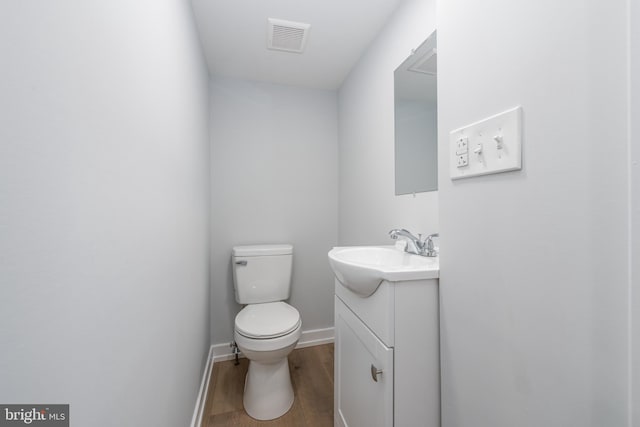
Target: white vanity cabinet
364,375
387,364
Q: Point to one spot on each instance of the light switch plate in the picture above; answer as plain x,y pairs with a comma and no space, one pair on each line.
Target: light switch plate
492,145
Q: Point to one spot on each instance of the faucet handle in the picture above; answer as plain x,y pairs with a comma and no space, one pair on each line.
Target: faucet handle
428,238
428,242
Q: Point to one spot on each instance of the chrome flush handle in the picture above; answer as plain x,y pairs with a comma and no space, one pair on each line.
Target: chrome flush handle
375,372
243,262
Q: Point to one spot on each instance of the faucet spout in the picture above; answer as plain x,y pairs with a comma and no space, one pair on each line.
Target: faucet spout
415,245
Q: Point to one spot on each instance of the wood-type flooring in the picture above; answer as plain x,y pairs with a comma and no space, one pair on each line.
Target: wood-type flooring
312,377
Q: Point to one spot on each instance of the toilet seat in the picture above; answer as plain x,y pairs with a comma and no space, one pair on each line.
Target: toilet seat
267,321
249,345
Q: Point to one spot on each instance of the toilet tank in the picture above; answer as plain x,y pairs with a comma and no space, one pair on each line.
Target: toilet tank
262,273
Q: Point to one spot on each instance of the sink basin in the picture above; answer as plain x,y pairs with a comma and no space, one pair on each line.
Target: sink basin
361,269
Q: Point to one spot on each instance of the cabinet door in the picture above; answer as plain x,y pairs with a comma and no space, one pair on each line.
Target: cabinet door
360,400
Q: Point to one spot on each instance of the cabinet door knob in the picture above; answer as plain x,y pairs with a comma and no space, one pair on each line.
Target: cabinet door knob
375,372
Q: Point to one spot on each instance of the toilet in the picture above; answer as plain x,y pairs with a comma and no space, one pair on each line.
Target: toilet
267,329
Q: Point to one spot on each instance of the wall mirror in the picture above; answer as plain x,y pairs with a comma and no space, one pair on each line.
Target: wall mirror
416,124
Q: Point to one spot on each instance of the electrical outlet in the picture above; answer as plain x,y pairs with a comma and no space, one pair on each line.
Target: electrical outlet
463,160
462,145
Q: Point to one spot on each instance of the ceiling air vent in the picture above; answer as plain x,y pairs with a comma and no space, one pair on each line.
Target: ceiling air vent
428,64
286,35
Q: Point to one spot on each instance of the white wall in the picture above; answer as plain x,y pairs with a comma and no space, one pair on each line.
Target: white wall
274,180
634,157
103,209
534,263
368,206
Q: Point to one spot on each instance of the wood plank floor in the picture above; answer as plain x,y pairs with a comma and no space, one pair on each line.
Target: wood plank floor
312,377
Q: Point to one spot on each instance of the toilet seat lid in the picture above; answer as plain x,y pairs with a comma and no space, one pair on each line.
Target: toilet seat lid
267,320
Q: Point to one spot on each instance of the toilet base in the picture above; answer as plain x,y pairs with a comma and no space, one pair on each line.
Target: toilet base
268,393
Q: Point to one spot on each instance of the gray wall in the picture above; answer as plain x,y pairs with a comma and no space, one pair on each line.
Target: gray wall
103,209
634,160
274,180
368,205
534,263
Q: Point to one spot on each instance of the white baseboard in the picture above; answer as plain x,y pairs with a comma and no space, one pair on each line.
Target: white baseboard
310,338
198,412
316,337
222,352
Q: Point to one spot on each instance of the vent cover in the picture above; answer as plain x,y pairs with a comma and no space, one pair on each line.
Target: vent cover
428,64
286,35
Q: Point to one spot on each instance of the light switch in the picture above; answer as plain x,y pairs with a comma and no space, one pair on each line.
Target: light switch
496,143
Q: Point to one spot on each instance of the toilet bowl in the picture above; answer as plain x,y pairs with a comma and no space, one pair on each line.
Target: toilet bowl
266,333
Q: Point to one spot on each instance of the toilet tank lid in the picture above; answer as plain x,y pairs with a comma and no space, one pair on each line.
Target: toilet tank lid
262,250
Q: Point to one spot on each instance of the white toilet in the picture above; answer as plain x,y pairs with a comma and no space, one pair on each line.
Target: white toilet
267,329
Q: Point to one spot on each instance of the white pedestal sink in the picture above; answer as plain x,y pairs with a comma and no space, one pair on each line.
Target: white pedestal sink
361,269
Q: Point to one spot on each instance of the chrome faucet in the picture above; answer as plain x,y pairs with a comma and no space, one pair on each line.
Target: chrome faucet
416,245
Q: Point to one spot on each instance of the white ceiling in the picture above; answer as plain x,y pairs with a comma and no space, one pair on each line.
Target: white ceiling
234,38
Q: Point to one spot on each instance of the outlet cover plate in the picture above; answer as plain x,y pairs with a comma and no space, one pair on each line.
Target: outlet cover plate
493,145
